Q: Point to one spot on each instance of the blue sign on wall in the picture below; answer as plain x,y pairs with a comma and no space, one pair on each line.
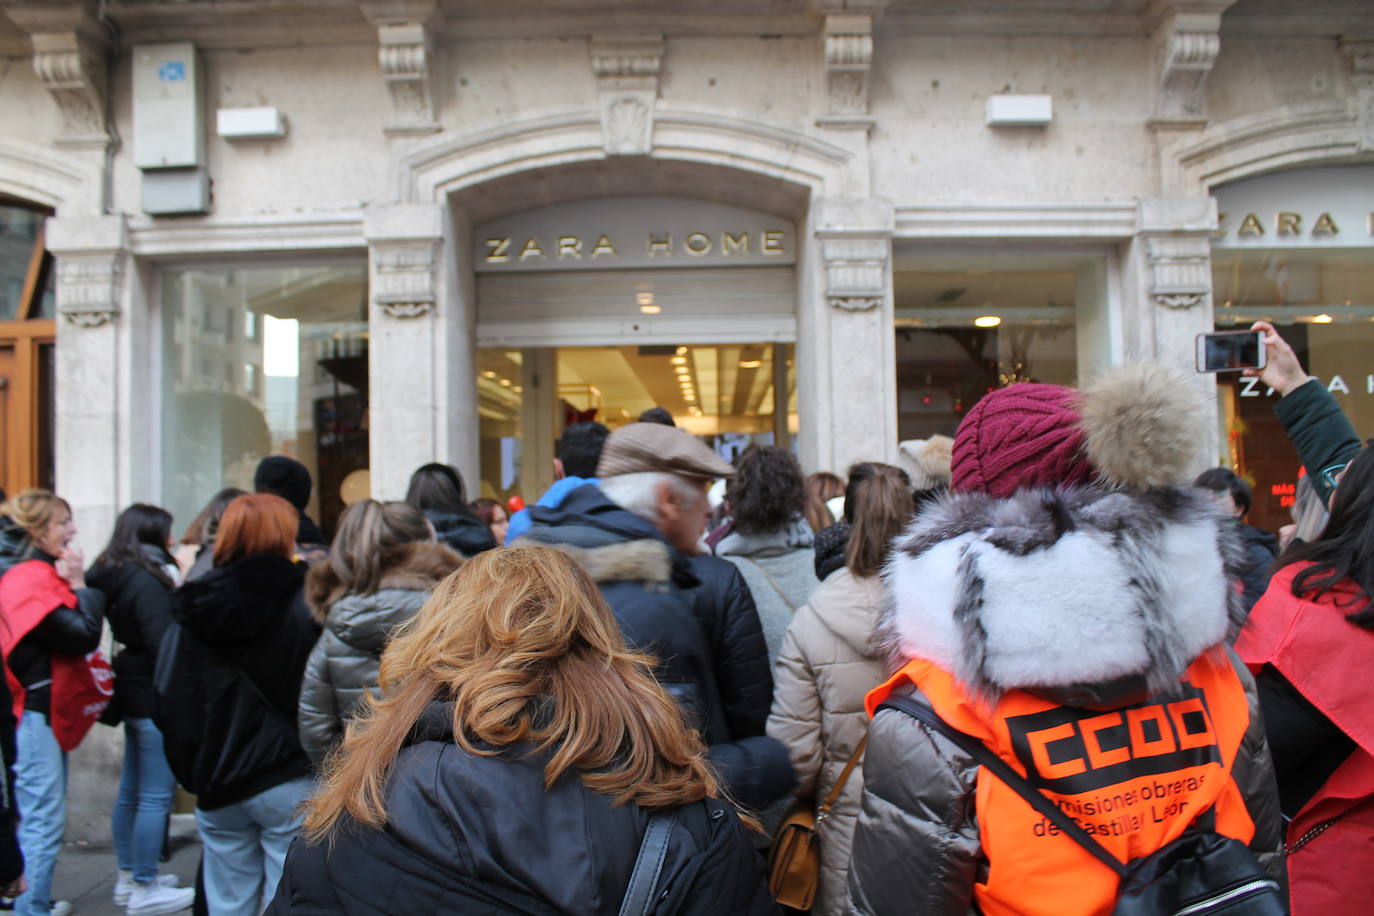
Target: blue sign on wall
174,71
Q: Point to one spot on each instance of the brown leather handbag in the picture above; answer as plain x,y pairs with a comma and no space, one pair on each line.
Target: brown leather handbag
794,865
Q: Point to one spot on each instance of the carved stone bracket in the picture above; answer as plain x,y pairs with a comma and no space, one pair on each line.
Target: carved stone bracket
1359,55
1186,43
405,51
627,69
848,59
89,286
403,283
70,49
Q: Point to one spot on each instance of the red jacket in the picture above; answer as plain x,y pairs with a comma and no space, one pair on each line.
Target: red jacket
81,685
1326,659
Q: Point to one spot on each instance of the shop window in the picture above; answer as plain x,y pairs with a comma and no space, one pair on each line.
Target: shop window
731,395
27,333
294,383
964,332
1322,302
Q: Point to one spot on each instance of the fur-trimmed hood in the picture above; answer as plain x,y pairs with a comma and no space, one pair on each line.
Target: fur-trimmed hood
415,567
1087,594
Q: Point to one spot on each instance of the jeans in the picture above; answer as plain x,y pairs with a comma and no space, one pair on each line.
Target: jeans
244,847
139,821
40,788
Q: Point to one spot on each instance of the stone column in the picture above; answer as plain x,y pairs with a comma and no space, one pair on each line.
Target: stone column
94,434
1167,287
422,398
846,355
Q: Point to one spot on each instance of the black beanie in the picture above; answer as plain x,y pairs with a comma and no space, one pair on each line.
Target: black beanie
284,477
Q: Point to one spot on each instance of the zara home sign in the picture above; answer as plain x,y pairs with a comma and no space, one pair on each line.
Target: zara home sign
633,232
1309,208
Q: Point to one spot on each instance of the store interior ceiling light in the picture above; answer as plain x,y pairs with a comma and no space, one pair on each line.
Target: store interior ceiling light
750,363
651,309
678,360
488,373
987,321
681,351
1322,319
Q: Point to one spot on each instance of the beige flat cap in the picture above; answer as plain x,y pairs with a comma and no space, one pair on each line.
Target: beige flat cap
639,447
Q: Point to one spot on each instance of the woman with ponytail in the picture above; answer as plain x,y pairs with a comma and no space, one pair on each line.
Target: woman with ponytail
513,763
828,664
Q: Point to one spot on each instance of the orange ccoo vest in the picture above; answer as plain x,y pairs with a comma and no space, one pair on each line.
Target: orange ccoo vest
1134,777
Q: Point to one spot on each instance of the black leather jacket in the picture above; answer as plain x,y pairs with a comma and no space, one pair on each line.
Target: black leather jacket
468,833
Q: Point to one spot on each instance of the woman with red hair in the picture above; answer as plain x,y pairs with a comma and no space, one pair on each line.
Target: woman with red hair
227,701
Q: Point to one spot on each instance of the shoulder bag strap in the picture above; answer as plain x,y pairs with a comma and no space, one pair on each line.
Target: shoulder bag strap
834,795
771,581
999,768
639,896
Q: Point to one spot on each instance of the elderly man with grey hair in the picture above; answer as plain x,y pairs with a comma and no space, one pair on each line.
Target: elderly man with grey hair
637,536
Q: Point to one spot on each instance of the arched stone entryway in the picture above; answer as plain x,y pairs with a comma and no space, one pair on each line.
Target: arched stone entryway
424,310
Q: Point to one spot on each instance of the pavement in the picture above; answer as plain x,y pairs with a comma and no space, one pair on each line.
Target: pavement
85,872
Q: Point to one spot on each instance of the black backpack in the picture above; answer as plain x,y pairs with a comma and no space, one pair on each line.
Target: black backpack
1201,872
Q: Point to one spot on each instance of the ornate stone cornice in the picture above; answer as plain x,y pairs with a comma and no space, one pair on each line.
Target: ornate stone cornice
1177,235
403,276
856,248
627,70
405,52
89,286
70,51
403,245
848,49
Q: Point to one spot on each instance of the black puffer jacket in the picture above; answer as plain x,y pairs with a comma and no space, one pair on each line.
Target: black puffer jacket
227,737
468,833
697,617
344,663
139,608
464,533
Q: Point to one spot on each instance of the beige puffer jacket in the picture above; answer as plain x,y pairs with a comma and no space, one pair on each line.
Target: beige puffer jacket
820,679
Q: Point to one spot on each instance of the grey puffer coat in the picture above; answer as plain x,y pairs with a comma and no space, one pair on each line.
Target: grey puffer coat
1082,597
777,567
827,665
343,665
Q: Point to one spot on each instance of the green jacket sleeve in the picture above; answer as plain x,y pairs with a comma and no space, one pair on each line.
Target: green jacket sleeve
1318,429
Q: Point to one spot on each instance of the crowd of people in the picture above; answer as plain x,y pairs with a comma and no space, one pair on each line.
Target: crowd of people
1026,669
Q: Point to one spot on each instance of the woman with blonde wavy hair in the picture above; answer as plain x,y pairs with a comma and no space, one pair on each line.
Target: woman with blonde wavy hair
514,762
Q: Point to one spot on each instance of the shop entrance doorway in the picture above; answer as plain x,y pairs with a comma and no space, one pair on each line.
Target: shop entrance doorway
732,395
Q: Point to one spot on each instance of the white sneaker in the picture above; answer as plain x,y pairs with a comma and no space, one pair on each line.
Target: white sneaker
60,908
158,900
124,886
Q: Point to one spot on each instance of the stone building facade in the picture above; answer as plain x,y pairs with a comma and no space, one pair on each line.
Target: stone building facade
922,199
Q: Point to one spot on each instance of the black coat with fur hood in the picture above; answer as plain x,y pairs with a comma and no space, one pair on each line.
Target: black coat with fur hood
697,617
229,721
343,665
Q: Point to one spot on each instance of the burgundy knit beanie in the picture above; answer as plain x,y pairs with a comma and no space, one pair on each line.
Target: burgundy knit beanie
1025,435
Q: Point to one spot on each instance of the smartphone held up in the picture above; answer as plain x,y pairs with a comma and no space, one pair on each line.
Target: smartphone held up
1230,351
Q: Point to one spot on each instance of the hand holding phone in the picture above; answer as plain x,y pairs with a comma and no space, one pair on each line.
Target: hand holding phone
1281,370
1231,351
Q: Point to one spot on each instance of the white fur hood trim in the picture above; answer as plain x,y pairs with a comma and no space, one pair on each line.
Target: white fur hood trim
1052,590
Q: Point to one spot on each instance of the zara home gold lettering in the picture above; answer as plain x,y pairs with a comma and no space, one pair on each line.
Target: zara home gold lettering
567,247
1286,223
